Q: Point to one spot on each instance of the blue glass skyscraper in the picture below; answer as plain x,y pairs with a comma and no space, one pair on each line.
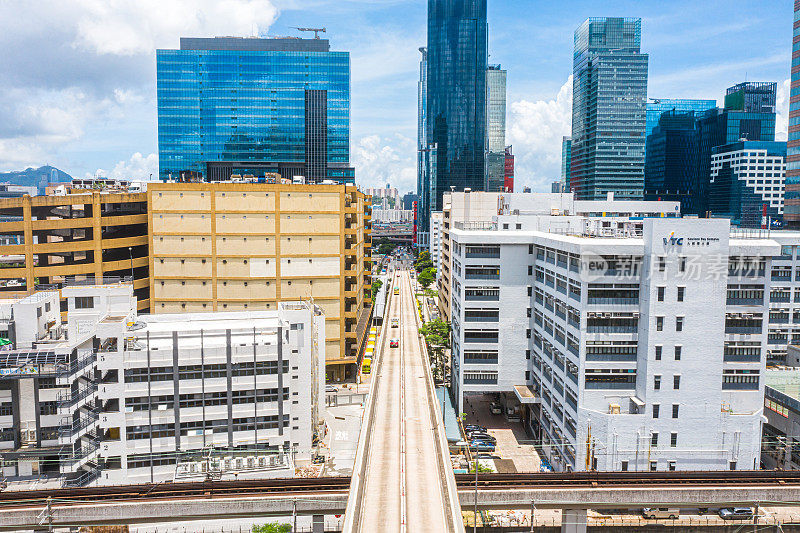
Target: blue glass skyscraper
657,107
456,98
608,109
231,105
566,161
792,213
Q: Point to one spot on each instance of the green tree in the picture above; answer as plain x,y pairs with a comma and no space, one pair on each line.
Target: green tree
437,337
436,333
272,528
376,286
427,277
481,469
423,262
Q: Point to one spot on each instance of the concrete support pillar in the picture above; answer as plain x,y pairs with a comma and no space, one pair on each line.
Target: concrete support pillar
573,521
318,523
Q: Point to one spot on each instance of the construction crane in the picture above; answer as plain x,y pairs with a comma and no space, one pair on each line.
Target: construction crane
315,30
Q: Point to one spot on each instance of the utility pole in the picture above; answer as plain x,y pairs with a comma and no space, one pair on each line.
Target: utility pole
533,513
49,514
475,516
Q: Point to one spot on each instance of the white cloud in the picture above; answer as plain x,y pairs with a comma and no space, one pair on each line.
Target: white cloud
85,69
535,129
381,160
138,167
123,27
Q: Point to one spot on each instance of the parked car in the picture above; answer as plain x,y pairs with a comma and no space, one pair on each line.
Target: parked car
394,343
481,446
470,427
736,513
331,388
654,513
496,409
479,435
487,456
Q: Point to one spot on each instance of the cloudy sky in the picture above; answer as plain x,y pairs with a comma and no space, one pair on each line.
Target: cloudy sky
78,76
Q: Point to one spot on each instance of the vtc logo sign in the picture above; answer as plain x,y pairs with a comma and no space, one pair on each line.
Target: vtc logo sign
673,240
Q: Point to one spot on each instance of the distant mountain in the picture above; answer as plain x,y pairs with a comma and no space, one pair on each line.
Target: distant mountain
35,177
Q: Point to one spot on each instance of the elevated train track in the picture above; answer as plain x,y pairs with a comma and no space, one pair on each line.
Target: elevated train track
340,485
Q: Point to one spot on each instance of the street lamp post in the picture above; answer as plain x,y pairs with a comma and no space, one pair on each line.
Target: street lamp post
130,256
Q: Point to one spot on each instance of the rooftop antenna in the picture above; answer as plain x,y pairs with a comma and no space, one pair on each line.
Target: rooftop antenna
315,30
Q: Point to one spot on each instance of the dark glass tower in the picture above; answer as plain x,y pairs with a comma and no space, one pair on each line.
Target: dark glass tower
670,171
456,97
608,109
231,105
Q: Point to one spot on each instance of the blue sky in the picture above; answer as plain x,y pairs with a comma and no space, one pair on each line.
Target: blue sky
79,75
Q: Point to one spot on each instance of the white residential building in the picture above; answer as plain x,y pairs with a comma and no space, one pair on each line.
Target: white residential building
623,344
436,241
391,216
164,397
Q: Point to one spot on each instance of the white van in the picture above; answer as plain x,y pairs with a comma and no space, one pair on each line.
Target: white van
655,513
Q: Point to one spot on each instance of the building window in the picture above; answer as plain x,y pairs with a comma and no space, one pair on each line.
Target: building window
679,323
654,440
659,323
678,350
662,264
624,466
661,291
656,410
676,382
681,293
658,353
671,464
682,264
84,302
657,382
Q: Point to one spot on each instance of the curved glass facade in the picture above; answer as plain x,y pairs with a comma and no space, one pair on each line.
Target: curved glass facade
221,101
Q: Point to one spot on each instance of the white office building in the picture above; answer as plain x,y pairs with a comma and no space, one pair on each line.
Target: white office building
622,344
122,398
536,208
